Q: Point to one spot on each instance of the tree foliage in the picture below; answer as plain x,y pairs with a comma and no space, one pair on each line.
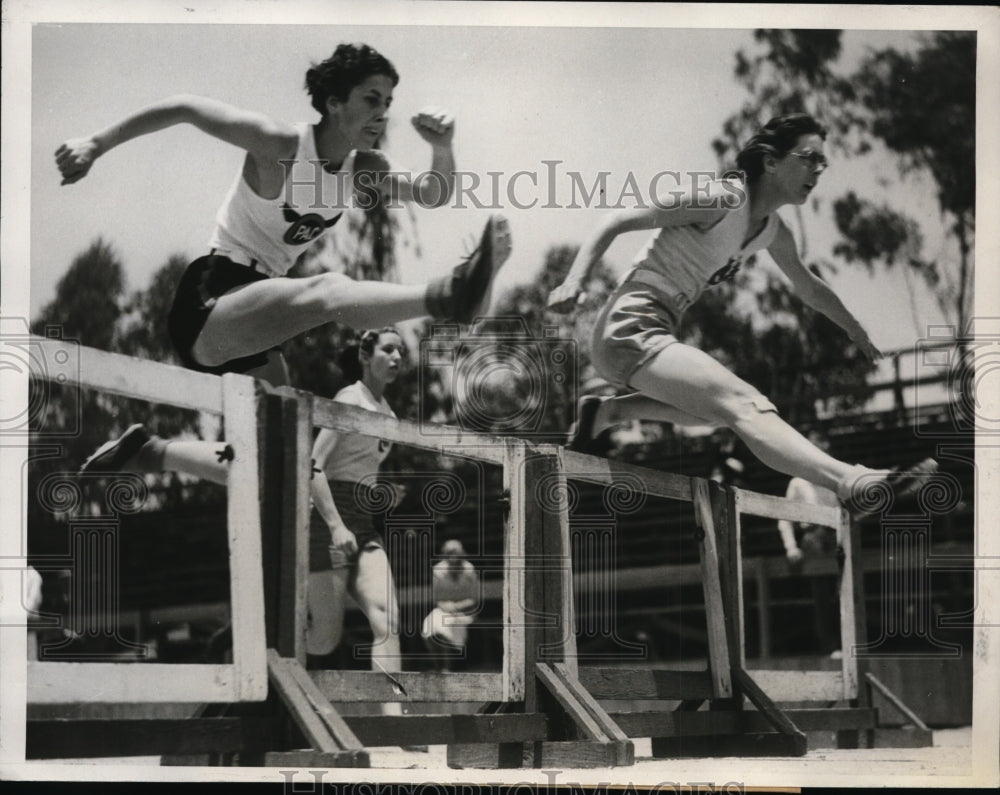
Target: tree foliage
92,307
917,106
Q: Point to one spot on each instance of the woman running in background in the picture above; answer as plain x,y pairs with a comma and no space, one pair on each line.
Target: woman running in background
235,305
701,240
346,552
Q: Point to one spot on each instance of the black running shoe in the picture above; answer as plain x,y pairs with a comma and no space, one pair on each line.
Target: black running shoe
874,495
112,456
579,437
465,293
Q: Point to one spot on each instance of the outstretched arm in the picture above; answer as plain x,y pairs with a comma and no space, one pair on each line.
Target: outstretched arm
817,293
263,138
663,213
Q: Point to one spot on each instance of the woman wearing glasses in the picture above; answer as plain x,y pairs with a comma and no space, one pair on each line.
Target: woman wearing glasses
701,239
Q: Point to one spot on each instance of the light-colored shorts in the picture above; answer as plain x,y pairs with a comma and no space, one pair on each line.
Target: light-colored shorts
637,322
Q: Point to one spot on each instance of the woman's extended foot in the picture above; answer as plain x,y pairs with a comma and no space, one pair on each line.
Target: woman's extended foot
118,454
866,492
465,293
589,434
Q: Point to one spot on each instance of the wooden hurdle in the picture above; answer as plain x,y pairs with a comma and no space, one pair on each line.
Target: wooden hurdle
541,709
233,397
272,436
724,727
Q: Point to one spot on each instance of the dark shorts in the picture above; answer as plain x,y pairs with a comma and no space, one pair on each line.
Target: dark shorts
204,281
357,517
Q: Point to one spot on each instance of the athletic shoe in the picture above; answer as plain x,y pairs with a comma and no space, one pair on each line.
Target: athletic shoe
867,498
112,456
580,437
465,293
580,432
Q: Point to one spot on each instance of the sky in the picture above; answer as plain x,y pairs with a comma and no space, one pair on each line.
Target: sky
547,101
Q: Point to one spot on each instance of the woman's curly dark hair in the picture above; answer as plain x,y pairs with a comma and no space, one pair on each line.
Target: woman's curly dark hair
350,65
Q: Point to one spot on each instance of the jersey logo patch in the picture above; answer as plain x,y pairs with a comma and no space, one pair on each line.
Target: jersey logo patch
304,228
727,271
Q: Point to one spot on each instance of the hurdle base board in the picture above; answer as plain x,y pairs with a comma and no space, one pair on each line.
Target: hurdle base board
308,758
904,737
127,682
605,683
886,737
375,687
82,738
714,746
544,753
795,686
377,730
722,722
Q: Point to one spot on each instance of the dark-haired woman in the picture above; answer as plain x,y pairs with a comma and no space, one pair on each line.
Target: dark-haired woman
701,239
346,552
235,305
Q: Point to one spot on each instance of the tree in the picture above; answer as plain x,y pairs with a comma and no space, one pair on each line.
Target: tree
88,297
878,235
91,307
922,107
919,107
85,309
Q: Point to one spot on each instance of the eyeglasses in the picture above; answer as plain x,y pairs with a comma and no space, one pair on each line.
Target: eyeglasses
816,160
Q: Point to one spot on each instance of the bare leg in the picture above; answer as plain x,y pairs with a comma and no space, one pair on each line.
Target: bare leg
375,591
695,383
326,596
255,317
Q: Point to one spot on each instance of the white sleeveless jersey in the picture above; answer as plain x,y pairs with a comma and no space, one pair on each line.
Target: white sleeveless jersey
274,232
357,457
683,261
